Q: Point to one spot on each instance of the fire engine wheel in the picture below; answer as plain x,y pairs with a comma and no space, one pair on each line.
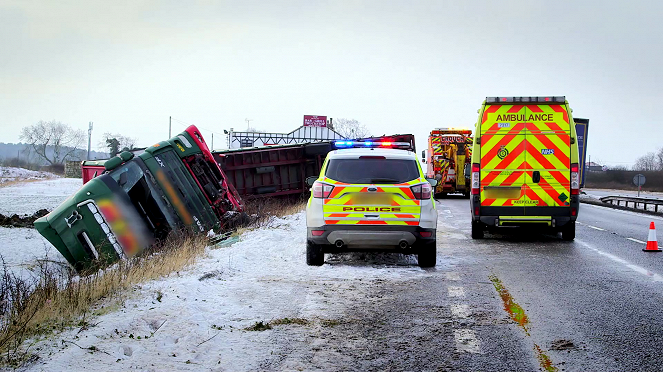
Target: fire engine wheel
477,230
314,254
427,256
569,231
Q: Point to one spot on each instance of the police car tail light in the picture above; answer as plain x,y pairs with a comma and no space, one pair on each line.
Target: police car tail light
422,191
322,190
476,185
575,179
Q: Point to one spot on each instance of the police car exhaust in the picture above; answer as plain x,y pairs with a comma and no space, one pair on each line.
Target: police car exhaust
371,196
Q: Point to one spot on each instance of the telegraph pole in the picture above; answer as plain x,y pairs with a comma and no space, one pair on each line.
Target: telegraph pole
170,122
248,123
212,149
89,140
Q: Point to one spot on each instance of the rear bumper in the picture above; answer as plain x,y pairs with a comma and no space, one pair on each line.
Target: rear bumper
532,216
369,238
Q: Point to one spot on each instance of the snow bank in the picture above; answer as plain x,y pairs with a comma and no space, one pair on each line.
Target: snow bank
195,320
8,174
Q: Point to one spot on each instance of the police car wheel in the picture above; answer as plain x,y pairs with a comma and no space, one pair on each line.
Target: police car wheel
314,254
477,230
569,231
427,256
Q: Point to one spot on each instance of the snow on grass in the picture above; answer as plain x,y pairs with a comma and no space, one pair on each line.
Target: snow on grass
28,197
197,319
10,174
21,248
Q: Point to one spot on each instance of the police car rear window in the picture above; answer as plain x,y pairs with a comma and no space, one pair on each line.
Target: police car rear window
367,170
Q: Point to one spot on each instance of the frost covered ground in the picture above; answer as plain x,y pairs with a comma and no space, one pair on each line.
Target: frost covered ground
9,174
28,197
195,320
22,247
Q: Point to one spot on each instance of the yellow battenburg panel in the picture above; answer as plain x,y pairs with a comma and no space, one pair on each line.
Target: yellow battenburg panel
548,154
522,144
385,205
503,147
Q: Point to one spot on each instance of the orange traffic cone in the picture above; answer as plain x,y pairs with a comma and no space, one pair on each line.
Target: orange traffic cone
652,243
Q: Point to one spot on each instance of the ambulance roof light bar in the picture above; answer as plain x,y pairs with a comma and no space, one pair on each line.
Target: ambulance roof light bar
508,100
372,144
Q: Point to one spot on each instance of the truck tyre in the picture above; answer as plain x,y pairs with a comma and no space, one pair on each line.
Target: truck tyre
569,231
427,256
477,230
314,254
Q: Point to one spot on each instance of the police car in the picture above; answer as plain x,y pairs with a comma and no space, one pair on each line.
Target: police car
371,196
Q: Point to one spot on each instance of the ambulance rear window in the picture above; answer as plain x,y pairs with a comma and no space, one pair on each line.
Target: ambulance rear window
372,170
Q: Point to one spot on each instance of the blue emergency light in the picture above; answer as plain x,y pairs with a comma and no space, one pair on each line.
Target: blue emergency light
372,144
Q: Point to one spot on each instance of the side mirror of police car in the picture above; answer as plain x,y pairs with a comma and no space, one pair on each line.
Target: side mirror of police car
311,180
432,181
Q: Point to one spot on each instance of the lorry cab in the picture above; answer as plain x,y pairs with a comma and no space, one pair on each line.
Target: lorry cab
525,165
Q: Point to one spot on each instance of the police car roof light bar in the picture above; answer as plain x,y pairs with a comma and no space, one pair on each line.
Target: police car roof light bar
372,144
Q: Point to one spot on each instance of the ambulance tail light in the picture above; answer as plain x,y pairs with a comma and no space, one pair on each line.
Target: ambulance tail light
422,191
575,180
321,190
476,184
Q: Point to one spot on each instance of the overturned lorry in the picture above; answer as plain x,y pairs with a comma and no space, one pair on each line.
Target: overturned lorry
174,185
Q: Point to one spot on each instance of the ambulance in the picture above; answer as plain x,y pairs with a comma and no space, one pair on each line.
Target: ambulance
371,196
525,166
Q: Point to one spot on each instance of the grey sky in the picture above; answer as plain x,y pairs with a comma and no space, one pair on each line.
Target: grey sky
396,66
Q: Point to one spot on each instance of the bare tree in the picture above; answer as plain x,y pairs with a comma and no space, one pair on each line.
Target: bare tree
116,143
659,159
63,139
350,128
646,162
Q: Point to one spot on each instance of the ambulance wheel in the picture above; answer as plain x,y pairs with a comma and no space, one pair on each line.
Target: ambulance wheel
427,256
314,254
477,230
569,231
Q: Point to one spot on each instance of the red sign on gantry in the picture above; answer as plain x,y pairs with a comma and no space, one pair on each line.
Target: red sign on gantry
315,121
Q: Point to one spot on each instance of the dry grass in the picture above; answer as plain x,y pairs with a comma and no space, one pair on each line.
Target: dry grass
263,210
20,182
60,299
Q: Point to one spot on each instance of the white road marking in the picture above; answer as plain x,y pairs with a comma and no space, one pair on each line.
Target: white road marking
636,240
456,291
595,228
466,341
453,276
638,269
460,311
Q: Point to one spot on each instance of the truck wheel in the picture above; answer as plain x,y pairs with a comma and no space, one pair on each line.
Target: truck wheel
569,231
477,230
466,195
427,256
314,254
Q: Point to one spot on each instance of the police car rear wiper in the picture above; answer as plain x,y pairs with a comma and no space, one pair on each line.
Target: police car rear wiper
377,180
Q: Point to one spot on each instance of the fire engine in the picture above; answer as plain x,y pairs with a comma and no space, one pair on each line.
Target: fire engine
448,155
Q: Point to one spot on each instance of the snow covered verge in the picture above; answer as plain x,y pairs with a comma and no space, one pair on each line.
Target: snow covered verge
21,248
10,174
28,197
197,319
